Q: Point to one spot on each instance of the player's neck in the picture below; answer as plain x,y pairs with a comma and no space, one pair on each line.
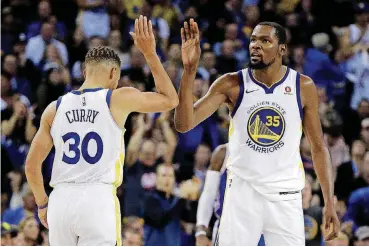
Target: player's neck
91,84
270,75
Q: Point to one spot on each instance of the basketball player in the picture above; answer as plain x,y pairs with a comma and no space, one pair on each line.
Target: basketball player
212,196
270,105
87,127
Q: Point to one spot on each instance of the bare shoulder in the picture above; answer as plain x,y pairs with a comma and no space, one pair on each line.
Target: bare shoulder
126,91
225,83
308,90
49,114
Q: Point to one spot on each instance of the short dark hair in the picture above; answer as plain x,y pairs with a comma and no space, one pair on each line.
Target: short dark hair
102,54
280,31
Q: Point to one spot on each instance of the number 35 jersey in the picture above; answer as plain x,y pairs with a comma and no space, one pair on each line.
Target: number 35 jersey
265,133
89,145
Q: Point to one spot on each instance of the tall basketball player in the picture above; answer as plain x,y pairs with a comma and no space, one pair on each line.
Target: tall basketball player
87,127
270,105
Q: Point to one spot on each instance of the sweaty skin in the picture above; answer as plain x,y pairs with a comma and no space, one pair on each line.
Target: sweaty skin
265,47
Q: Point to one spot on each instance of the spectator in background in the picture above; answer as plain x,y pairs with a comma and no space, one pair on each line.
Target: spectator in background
165,9
162,210
363,179
207,65
19,84
141,163
45,15
36,46
312,217
10,28
298,59
226,62
8,233
30,230
357,209
94,18
131,238
115,42
28,209
365,132
362,235
77,46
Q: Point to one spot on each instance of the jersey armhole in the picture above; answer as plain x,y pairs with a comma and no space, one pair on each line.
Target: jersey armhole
58,102
298,95
108,99
240,94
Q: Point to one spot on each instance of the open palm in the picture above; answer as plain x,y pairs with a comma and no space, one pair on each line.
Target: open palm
190,45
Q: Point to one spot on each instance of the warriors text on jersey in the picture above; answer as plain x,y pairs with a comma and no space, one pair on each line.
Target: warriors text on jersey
89,145
265,134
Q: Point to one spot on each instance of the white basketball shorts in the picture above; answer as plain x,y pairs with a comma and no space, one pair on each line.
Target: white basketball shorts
247,214
84,214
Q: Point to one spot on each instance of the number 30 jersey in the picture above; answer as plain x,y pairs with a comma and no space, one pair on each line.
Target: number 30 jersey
89,145
265,133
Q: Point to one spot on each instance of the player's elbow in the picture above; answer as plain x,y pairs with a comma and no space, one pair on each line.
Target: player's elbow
173,103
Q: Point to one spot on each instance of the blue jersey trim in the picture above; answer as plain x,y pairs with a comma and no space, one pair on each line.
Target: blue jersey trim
108,96
86,90
58,102
240,94
269,90
298,95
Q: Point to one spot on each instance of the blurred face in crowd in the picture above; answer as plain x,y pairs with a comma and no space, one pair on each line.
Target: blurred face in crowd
322,95
47,31
363,109
52,53
208,60
96,42
115,22
202,155
148,153
358,149
231,31
44,10
132,238
265,48
29,202
362,19
10,64
227,48
55,77
298,55
5,86
252,14
191,12
146,9
197,88
291,20
365,130
165,178
172,71
174,52
306,5
115,39
137,59
31,229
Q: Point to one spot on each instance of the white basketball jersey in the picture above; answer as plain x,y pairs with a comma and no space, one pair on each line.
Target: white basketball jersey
89,145
265,133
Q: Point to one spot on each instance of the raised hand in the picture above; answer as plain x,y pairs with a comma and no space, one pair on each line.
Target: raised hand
190,46
143,36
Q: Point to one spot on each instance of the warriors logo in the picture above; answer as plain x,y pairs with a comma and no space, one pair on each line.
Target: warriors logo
266,127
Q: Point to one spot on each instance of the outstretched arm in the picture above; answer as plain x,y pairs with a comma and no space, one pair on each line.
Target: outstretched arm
187,115
133,100
321,158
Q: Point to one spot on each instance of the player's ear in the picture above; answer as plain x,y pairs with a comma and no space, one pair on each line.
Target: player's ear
283,49
112,72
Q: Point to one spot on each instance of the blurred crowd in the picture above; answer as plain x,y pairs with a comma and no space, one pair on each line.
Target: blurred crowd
43,44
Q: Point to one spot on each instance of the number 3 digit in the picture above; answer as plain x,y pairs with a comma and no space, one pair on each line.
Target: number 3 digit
84,148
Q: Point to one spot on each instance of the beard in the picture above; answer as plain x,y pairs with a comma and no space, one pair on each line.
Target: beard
260,65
